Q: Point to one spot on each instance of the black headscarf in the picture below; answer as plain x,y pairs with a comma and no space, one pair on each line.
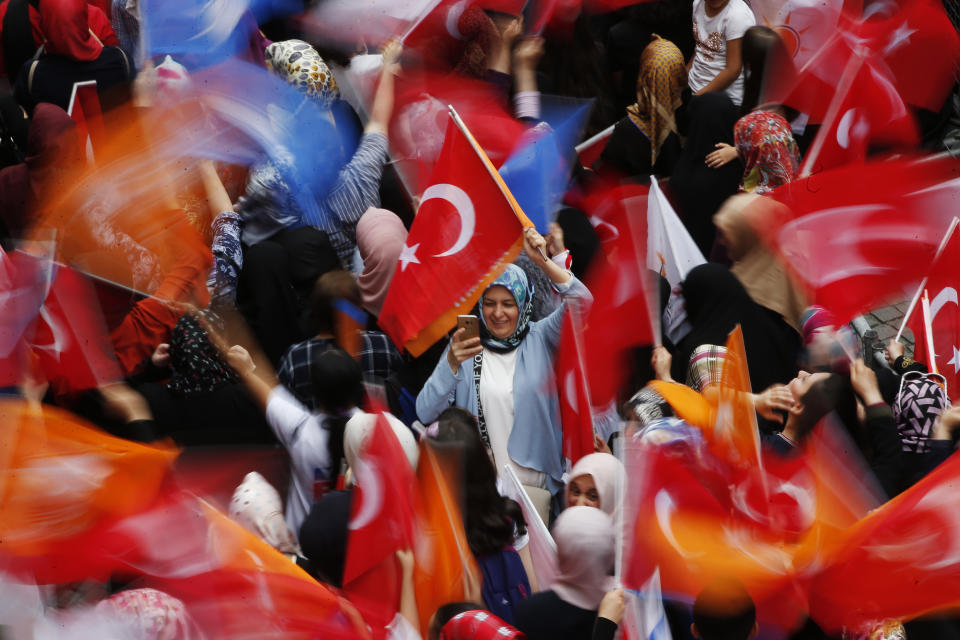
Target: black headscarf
579,237
699,190
716,303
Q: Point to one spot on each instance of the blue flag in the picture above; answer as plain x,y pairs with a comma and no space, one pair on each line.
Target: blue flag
539,171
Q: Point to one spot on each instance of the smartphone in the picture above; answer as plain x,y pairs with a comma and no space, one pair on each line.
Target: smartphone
471,324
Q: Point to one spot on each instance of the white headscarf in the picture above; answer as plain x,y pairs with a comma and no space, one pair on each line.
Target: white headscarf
586,547
257,506
606,472
361,425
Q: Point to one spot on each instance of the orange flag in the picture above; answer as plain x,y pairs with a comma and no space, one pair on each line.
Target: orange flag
445,566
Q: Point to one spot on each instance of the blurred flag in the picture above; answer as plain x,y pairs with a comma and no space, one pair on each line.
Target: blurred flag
539,171
453,249
899,562
672,253
444,563
624,314
735,436
856,236
644,618
381,522
576,415
942,283
803,25
371,22
589,150
543,549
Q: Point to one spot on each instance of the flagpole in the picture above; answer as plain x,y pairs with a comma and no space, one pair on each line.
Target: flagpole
594,138
923,283
846,80
928,331
497,178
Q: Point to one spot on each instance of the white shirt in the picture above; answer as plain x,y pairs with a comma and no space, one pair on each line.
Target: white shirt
305,439
710,36
496,398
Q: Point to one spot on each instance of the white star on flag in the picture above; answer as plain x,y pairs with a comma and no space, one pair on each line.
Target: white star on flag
898,38
956,360
408,255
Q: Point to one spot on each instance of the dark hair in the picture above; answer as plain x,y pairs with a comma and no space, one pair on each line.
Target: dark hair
833,393
329,287
489,518
724,611
765,58
446,612
337,386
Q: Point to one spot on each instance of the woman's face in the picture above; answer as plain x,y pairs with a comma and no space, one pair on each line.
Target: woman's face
500,312
582,492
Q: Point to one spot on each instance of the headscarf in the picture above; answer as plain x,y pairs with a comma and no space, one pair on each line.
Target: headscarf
606,472
826,345
360,427
53,152
706,366
769,153
759,270
154,615
699,190
256,505
300,65
585,553
918,405
380,238
716,303
580,238
543,300
515,281
661,81
197,365
478,625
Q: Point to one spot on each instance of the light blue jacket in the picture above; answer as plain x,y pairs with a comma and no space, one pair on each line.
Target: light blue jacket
536,440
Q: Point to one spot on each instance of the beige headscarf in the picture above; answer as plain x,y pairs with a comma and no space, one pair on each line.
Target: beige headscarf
380,239
257,506
586,544
761,272
360,427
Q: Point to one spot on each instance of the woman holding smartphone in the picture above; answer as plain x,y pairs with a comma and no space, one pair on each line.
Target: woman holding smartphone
505,376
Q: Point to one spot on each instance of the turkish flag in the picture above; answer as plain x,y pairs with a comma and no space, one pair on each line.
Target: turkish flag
899,562
914,35
420,117
576,417
465,232
856,236
381,522
943,282
870,114
621,316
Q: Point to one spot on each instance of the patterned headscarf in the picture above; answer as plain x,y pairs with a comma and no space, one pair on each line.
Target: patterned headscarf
706,366
919,403
197,365
659,85
769,152
257,506
155,615
515,281
299,64
478,625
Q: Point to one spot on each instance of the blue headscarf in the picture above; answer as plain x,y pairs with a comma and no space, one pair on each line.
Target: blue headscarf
515,281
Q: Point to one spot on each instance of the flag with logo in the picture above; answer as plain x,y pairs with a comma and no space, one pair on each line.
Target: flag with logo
467,229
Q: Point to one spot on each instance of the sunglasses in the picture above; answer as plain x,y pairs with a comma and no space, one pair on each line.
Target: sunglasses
916,376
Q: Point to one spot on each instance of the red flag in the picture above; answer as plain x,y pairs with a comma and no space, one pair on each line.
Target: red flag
381,522
576,418
621,317
942,283
465,232
900,561
856,236
589,150
417,129
869,113
912,35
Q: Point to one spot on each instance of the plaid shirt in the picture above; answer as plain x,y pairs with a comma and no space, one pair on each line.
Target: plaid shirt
378,359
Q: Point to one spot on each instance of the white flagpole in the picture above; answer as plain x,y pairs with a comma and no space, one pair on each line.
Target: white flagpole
923,283
928,332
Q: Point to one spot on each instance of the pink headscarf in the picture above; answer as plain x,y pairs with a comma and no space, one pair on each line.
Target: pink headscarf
586,545
380,238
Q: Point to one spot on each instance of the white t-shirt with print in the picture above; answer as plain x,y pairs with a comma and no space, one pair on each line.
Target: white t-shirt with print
710,36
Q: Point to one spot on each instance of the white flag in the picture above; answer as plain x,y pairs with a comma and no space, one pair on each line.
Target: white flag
543,549
672,253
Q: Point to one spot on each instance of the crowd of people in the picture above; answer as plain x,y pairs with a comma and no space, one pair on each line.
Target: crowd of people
268,335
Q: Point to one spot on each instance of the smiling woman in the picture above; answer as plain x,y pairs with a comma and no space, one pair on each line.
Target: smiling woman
500,375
